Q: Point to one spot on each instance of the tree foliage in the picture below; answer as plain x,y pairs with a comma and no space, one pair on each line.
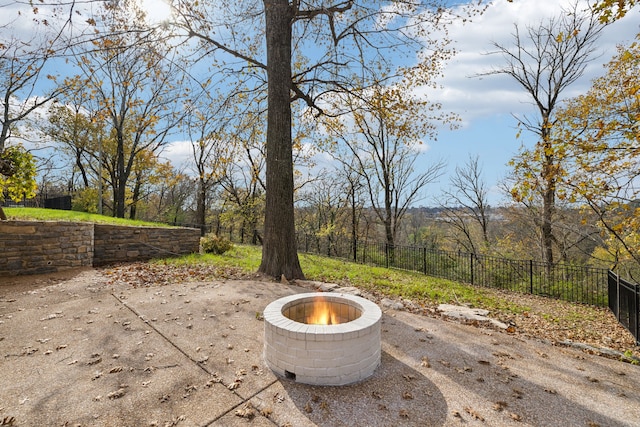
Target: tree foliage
17,173
600,134
545,60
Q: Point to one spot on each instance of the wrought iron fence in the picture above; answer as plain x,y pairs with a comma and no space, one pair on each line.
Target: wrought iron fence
567,282
624,301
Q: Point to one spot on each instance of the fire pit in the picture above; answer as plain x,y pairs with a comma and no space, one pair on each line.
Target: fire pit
322,339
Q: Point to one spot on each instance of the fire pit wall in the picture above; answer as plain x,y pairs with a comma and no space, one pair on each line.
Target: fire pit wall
336,354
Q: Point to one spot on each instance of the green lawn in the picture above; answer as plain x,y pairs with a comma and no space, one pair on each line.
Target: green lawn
392,283
41,214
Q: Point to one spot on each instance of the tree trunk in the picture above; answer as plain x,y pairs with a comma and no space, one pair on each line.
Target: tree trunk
279,254
136,194
548,194
201,201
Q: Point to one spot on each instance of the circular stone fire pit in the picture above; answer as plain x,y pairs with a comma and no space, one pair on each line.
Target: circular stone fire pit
344,350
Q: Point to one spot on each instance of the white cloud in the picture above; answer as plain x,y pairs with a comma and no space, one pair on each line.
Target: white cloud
179,153
476,98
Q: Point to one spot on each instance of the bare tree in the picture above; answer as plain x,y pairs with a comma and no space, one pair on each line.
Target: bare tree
22,69
466,204
379,145
545,60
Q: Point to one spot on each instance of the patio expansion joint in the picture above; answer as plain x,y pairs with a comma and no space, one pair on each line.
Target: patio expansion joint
244,401
167,339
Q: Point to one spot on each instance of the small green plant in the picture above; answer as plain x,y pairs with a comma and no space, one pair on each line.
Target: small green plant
629,358
212,244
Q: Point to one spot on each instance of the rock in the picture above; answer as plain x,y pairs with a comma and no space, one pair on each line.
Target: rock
319,286
352,290
469,314
391,304
328,287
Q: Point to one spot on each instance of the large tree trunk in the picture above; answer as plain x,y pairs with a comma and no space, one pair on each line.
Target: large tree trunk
279,254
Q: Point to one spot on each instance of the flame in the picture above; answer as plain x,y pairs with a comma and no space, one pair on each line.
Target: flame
322,314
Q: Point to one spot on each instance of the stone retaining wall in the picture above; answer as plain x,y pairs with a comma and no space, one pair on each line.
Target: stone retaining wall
114,243
36,247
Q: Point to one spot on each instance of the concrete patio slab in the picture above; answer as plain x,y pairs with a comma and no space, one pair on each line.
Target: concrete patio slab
91,353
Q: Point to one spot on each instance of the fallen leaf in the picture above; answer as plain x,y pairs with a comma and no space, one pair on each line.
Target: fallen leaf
94,361
474,414
247,411
117,394
499,406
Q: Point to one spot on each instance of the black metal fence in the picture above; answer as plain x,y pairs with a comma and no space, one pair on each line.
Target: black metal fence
624,301
567,282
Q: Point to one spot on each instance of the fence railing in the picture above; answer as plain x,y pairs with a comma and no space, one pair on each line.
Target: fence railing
567,282
624,301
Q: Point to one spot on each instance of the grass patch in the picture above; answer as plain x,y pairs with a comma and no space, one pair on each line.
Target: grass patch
240,257
401,284
42,214
381,281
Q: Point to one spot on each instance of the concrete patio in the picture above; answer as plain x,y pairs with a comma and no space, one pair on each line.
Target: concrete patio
90,353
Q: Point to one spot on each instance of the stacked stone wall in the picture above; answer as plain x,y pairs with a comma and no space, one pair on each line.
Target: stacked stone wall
36,247
114,244
33,247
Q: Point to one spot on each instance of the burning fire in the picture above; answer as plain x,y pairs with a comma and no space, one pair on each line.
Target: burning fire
322,313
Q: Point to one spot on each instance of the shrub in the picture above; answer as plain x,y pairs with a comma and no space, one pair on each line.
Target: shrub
212,244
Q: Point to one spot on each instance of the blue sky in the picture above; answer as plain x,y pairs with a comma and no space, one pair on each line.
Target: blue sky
486,105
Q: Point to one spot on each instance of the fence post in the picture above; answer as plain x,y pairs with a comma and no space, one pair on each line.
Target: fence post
471,265
531,276
637,313
618,296
386,254
424,260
